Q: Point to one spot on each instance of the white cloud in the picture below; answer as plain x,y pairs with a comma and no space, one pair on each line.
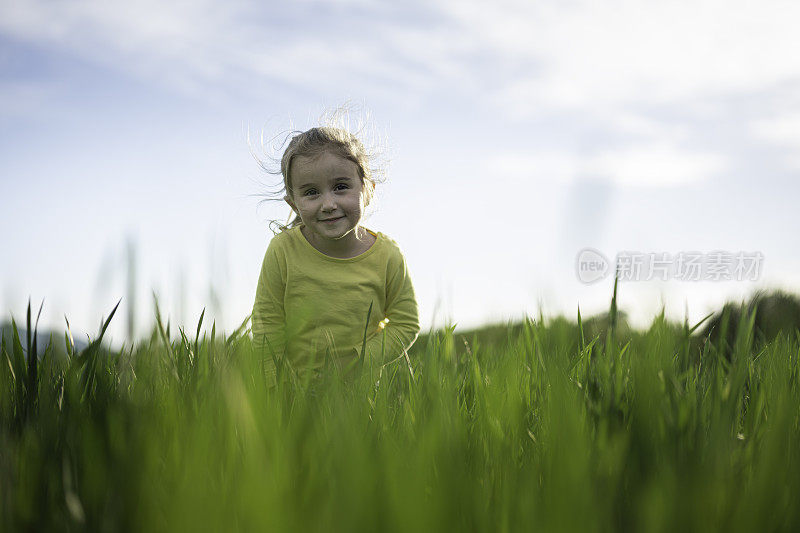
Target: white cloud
783,130
182,43
236,45
591,54
583,61
655,165
516,168
643,165
525,57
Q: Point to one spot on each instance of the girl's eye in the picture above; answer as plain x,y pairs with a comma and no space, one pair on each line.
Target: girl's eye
314,191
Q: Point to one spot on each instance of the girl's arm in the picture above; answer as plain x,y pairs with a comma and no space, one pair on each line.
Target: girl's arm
268,322
402,313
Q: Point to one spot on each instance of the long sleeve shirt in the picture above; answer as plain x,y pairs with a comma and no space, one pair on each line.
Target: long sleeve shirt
310,306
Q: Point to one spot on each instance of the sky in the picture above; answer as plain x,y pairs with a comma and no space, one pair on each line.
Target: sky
514,136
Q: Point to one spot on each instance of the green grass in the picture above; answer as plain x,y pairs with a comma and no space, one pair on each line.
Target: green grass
541,425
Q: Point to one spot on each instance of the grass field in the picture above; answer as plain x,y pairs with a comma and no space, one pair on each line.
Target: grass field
538,426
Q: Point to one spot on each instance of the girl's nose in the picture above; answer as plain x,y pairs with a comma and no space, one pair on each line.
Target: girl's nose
328,203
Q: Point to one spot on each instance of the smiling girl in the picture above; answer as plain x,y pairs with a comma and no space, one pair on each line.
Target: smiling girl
326,280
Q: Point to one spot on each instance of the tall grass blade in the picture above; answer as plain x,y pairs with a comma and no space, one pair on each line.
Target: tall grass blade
33,363
7,359
20,369
366,330
197,333
28,329
161,332
693,328
69,341
238,331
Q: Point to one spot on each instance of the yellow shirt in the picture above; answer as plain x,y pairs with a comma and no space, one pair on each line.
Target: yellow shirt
309,304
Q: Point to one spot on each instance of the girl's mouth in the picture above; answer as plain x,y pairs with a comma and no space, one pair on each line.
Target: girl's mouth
332,220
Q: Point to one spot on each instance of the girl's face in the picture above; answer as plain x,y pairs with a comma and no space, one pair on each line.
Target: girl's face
327,195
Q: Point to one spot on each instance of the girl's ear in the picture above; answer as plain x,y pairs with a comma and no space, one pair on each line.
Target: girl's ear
365,194
291,204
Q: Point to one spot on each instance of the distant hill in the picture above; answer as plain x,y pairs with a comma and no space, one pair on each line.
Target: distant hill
774,313
42,339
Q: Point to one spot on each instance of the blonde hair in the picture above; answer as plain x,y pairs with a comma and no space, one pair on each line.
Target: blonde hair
333,137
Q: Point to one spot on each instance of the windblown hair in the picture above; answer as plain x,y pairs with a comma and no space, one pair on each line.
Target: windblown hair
333,137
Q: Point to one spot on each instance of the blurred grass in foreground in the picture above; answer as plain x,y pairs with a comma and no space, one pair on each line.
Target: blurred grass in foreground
547,426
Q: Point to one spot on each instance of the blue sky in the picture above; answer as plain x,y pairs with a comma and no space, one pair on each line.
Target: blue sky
518,134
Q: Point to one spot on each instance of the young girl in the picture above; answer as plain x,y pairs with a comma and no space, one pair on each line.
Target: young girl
326,280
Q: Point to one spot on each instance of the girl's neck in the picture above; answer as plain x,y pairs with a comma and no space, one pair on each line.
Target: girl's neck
344,248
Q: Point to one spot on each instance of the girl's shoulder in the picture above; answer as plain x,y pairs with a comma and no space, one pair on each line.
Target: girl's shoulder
391,248
284,236
280,243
